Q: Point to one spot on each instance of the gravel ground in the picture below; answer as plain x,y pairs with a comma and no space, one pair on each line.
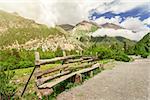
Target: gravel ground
126,81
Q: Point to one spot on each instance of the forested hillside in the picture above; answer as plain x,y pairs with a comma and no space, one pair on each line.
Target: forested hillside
143,46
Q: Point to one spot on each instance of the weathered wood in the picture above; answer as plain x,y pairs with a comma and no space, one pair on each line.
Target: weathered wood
45,79
48,61
73,60
91,74
46,92
84,65
53,83
95,66
78,78
86,58
40,73
37,58
89,60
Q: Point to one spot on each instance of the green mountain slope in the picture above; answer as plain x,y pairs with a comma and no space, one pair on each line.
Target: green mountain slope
143,46
18,32
108,41
117,43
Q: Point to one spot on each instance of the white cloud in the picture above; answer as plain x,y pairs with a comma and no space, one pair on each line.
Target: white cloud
120,32
134,24
118,6
103,20
131,24
53,12
147,21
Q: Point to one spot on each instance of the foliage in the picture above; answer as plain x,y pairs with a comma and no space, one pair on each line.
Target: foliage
58,52
121,56
143,46
144,55
23,35
16,59
93,28
107,53
7,89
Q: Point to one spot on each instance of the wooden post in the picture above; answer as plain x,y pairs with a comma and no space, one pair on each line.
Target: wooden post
91,74
37,65
78,78
37,58
34,69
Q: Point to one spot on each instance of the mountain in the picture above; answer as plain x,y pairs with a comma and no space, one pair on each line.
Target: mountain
66,27
85,26
111,25
18,32
108,41
143,46
13,20
82,30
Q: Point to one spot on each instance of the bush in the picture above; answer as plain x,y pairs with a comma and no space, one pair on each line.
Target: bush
121,57
15,59
59,52
7,89
107,53
144,55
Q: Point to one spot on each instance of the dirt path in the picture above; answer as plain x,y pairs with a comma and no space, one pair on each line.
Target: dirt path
127,81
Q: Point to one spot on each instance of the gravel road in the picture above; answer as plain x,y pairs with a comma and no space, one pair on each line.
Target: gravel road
126,81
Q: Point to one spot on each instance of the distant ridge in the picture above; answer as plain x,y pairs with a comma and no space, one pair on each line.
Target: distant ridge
111,25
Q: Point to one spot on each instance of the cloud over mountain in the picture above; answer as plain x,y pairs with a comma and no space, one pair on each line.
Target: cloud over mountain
132,15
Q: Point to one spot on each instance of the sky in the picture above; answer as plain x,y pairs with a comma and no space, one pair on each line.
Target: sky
134,15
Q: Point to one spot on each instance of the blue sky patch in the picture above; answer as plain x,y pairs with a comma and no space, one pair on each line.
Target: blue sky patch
140,12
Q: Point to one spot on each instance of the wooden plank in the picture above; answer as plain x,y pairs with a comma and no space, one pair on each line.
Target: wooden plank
45,79
89,60
95,66
48,61
82,59
84,65
86,58
53,83
73,60
40,73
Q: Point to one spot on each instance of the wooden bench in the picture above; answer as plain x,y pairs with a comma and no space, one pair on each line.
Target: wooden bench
47,79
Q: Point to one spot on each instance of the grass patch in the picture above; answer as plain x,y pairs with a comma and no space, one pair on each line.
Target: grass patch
21,76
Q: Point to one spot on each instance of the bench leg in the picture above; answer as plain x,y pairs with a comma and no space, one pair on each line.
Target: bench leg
46,92
78,78
91,74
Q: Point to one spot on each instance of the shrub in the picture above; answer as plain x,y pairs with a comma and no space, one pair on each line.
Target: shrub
121,57
107,53
144,55
58,52
7,89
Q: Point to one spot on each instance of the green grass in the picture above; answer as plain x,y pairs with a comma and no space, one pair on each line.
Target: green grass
20,78
27,71
22,75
